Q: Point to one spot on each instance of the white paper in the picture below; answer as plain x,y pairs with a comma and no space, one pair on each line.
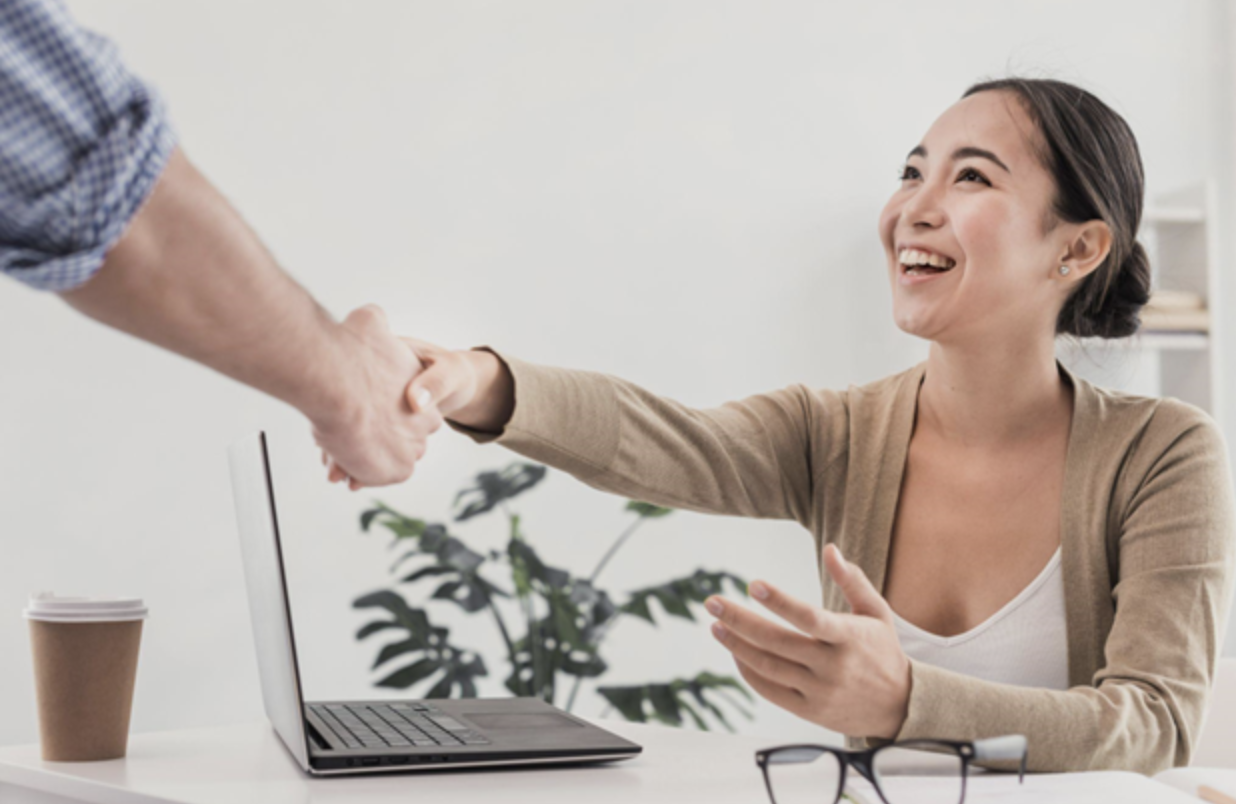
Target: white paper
1098,787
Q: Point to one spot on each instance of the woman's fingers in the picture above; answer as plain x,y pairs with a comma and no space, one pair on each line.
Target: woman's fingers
814,621
761,631
785,697
447,384
859,592
772,666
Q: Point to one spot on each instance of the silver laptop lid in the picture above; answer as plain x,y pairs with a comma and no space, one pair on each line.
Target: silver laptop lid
254,496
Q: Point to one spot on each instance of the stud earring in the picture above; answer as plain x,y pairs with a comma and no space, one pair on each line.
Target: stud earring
1064,270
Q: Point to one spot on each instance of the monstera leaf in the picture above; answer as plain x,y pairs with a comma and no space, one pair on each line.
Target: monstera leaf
562,641
402,527
427,647
668,702
557,643
452,563
493,488
674,596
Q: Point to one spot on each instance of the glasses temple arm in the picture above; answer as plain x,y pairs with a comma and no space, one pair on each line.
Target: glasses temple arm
1010,746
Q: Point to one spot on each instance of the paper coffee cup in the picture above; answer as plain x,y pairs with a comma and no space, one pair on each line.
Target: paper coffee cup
85,666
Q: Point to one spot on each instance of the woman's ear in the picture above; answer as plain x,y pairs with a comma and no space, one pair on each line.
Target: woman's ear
1089,246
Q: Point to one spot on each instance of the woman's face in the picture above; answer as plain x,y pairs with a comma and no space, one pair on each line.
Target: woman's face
974,193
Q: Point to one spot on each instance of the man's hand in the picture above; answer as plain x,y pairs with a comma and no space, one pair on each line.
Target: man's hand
374,440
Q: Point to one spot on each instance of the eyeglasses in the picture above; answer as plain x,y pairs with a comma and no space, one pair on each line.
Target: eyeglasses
815,774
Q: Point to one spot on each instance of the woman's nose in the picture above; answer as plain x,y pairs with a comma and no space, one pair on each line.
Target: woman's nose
924,207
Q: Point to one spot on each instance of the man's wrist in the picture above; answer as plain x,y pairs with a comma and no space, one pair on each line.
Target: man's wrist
332,393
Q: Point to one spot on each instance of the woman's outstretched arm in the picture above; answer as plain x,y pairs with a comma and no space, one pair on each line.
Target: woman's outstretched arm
754,457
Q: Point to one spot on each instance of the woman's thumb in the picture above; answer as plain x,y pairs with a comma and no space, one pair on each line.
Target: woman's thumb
426,389
857,588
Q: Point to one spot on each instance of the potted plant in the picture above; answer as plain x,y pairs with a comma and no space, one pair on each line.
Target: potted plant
552,623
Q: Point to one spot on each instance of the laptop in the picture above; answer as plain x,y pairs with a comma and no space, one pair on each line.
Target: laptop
328,738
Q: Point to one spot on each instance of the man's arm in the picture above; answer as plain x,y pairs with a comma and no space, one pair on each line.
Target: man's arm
98,205
189,275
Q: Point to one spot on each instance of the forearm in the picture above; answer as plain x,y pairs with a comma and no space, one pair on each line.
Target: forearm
1118,725
190,276
746,458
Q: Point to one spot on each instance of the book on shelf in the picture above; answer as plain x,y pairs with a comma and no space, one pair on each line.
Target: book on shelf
1175,311
1159,320
1161,299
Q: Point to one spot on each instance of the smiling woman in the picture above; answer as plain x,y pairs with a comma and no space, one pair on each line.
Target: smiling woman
1075,544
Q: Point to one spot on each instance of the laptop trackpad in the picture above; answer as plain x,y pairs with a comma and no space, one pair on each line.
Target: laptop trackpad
509,720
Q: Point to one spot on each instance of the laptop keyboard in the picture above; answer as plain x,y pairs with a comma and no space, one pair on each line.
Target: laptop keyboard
399,725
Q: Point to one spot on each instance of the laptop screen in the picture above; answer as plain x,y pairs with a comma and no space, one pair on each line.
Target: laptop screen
269,609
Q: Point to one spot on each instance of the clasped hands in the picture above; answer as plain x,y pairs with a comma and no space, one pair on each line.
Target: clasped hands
384,396
845,672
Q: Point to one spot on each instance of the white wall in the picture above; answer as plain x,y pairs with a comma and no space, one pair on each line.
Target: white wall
684,194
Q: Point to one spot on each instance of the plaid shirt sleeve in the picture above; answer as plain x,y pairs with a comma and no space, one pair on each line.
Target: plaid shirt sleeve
82,143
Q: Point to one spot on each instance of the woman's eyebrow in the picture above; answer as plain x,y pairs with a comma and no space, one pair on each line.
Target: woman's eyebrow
962,153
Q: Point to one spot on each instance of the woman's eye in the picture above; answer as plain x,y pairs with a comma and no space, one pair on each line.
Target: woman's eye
973,172
909,172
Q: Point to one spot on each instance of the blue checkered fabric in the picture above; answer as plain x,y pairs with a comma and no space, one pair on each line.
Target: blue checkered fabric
82,142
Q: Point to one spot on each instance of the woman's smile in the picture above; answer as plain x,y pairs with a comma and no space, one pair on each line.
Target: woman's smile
917,275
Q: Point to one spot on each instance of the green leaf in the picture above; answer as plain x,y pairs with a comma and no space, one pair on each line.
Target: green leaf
493,488
367,517
676,595
664,704
648,510
407,676
433,570
695,716
627,700
374,627
428,644
396,649
639,607
668,701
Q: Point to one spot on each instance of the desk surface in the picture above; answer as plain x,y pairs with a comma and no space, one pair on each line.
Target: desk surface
246,764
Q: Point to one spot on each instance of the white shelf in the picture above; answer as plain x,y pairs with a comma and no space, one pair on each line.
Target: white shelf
1179,235
1162,214
1161,341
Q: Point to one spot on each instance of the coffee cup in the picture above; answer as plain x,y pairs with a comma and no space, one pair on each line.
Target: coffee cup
85,667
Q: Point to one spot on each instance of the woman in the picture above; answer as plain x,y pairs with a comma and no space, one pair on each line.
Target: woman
1027,553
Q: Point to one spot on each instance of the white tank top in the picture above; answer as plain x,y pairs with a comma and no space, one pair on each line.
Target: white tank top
1024,643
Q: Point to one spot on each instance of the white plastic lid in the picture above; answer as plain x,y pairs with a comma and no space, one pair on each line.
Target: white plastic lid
47,607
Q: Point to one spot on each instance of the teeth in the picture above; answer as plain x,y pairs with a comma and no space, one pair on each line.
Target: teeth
911,256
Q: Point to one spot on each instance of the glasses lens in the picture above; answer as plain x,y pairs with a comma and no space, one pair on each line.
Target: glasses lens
804,776
913,772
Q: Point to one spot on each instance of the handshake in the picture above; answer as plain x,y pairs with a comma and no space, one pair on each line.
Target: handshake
374,425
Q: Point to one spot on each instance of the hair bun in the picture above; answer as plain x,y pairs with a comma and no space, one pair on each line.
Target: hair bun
1116,313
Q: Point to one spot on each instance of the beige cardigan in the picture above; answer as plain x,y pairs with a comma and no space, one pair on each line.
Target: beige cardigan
1147,526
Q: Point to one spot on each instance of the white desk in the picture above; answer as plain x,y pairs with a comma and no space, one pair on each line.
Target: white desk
246,764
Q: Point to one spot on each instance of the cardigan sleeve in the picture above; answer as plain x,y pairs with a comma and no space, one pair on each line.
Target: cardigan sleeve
751,457
1144,709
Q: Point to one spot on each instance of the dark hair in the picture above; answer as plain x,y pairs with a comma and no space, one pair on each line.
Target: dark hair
1092,154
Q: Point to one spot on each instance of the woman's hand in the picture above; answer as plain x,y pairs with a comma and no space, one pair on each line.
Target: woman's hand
846,672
